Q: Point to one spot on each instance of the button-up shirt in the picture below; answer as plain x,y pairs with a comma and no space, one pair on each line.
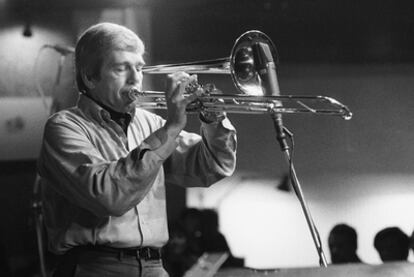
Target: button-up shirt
101,186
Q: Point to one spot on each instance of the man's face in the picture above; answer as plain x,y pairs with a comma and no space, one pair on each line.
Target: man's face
121,70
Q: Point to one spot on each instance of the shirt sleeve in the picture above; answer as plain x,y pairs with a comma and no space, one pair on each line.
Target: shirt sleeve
75,168
200,161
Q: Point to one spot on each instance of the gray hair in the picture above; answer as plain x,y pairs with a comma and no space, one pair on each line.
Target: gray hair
96,43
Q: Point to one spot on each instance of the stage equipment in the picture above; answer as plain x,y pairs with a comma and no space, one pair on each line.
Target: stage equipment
61,49
252,66
394,269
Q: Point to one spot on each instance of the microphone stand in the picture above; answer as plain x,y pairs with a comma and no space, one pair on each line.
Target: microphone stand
267,70
55,106
36,205
281,138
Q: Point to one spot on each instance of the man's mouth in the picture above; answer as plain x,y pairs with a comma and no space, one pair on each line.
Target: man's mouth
131,93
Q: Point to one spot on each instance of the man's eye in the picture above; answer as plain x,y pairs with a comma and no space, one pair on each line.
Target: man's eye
120,68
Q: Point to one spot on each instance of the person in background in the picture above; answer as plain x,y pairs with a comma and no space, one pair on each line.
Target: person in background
392,244
412,242
104,163
214,241
195,233
343,244
185,245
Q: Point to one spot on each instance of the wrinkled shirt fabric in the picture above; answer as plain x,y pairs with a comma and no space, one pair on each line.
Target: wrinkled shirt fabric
101,186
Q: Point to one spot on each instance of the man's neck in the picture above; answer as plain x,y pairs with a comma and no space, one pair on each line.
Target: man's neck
123,119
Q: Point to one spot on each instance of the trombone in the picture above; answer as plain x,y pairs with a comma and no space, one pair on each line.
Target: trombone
252,97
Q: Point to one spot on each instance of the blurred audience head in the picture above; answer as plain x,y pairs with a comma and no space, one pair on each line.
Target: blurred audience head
412,241
343,244
392,244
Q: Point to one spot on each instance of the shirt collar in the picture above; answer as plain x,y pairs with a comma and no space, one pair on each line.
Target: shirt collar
98,111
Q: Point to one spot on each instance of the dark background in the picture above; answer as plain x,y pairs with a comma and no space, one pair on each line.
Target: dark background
335,31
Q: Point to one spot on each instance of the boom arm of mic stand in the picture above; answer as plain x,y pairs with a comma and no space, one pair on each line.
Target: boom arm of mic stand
281,137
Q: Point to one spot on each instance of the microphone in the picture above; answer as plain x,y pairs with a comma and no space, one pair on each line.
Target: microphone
265,66
62,49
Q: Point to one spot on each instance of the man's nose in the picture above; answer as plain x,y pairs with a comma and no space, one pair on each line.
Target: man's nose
135,76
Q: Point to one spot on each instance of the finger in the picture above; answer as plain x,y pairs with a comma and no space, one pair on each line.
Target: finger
177,94
191,84
175,84
191,97
193,78
180,76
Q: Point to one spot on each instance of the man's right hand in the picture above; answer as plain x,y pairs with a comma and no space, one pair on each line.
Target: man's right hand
177,102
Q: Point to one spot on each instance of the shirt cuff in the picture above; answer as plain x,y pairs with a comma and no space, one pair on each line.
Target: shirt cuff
211,117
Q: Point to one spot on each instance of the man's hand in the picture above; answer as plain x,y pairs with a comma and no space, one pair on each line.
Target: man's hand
209,116
176,101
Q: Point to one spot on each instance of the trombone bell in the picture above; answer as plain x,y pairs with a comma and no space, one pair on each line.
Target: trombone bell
240,65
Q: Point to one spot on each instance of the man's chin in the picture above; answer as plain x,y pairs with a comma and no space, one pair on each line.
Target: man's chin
130,107
124,107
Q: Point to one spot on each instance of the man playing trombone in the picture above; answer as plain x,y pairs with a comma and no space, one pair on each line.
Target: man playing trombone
104,163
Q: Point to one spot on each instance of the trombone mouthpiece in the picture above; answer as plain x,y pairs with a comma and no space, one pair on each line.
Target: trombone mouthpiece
134,94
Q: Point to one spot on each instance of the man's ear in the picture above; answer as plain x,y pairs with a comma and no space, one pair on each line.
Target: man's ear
88,80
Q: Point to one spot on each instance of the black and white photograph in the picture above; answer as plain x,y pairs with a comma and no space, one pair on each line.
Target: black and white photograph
206,138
